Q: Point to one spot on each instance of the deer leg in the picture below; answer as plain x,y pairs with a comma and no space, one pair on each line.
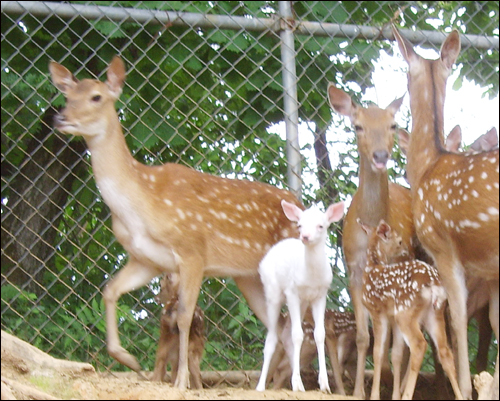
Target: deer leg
190,278
397,360
485,331
362,340
161,352
494,306
318,311
331,346
194,369
410,327
294,309
435,326
380,333
133,275
273,312
453,280
279,367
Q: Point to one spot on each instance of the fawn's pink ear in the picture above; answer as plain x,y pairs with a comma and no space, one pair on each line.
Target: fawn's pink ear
335,212
292,211
383,230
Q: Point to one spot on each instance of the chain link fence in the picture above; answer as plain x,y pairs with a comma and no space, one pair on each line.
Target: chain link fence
236,89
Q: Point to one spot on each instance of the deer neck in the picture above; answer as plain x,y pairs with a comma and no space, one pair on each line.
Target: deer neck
113,165
373,194
427,95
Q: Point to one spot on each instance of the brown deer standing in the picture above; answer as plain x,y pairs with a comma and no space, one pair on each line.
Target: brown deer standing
168,344
403,295
455,197
477,302
375,199
170,218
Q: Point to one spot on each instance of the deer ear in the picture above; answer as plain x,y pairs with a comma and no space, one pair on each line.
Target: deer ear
291,211
405,47
340,101
335,212
395,105
450,49
383,230
116,76
62,78
365,228
454,139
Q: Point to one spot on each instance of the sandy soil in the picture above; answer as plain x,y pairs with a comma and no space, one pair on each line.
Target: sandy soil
28,373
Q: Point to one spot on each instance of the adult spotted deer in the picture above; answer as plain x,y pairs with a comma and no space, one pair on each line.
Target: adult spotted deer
170,218
375,199
403,296
454,197
477,302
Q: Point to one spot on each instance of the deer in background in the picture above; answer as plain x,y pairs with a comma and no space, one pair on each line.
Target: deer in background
170,218
455,198
340,342
403,295
168,344
484,143
297,271
375,199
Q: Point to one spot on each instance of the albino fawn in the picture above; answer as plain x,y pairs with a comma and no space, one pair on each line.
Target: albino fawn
404,295
455,198
298,271
168,344
340,341
170,218
375,199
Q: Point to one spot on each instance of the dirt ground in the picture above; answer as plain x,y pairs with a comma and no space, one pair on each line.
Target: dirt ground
28,373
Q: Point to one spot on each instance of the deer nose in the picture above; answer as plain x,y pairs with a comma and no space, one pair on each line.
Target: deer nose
304,239
380,158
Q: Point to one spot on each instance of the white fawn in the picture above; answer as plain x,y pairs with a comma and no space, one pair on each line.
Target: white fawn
340,342
403,296
375,199
170,218
297,271
455,198
168,344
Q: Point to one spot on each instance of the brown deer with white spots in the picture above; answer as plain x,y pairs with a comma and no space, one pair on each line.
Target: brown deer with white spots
340,333
375,199
455,197
170,218
403,296
168,344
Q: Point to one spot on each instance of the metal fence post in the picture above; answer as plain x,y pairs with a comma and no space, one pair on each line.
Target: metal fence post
291,104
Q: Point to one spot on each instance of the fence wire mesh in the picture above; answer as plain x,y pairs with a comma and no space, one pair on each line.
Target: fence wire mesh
204,88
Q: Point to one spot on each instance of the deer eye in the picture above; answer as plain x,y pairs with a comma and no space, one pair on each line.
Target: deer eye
358,128
96,98
393,127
